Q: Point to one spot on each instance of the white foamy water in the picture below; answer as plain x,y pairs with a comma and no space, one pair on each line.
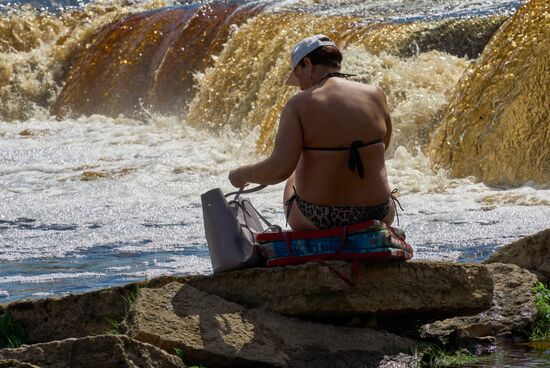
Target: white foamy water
98,202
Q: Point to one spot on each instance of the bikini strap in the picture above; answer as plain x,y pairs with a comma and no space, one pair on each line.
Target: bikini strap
289,203
360,144
354,160
395,200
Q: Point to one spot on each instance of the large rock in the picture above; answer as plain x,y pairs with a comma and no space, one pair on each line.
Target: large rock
93,352
513,309
313,290
532,252
75,315
310,290
218,333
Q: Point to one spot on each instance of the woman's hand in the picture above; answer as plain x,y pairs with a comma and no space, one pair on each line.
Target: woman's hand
236,178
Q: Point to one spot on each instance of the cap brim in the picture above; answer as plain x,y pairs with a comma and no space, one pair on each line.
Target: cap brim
292,80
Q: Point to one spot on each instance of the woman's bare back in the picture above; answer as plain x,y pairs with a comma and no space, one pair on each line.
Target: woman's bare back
334,115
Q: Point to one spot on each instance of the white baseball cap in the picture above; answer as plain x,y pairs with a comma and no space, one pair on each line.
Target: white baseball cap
301,50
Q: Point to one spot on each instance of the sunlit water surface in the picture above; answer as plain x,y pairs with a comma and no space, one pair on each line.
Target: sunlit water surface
100,202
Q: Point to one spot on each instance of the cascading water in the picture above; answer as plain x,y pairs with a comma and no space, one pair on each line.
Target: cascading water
36,49
497,126
148,60
114,119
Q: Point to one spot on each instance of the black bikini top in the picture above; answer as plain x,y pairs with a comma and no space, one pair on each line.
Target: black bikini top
354,161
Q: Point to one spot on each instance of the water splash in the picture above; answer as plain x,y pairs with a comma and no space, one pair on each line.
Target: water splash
243,92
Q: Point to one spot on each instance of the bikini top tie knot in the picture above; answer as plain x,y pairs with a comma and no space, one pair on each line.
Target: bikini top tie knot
354,160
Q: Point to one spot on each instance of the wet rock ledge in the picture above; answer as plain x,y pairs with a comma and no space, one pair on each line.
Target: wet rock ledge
299,316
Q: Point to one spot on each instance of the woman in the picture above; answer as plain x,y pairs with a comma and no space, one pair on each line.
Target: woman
330,145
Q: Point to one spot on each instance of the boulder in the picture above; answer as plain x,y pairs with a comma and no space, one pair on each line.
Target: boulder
75,315
532,252
312,290
105,351
513,309
218,333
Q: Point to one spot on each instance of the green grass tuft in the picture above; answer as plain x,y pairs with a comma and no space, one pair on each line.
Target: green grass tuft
540,330
438,357
130,298
12,334
180,354
114,326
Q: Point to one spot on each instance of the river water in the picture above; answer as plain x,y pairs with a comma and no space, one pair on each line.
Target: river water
104,154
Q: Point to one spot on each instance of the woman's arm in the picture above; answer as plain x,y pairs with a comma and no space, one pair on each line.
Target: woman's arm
284,158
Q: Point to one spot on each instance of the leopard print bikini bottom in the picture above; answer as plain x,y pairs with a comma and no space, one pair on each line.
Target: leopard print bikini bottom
326,217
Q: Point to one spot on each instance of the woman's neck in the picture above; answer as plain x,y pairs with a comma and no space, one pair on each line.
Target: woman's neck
321,74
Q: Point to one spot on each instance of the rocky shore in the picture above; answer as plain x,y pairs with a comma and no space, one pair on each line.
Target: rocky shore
299,316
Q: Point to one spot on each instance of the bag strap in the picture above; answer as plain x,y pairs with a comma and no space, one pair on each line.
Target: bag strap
245,225
270,226
245,191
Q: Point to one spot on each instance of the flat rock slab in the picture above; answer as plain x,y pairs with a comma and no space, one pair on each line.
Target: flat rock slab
218,333
513,309
313,290
15,364
532,252
91,352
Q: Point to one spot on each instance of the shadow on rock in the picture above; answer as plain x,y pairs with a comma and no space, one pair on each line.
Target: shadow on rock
215,332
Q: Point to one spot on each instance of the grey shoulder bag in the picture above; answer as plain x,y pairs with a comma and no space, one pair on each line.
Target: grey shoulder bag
231,228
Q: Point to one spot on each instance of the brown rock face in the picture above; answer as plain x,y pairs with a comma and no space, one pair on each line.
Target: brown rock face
92,352
218,333
75,315
513,309
532,252
313,290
